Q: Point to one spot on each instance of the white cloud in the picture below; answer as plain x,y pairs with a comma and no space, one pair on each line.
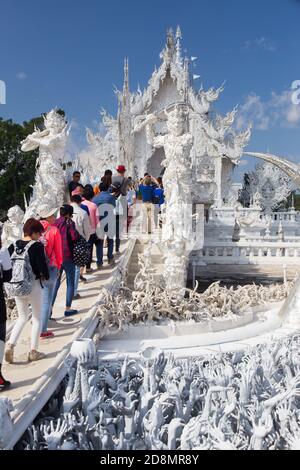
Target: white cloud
260,43
21,76
243,163
74,124
293,114
276,111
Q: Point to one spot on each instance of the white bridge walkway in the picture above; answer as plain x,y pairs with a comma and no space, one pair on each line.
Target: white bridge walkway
34,383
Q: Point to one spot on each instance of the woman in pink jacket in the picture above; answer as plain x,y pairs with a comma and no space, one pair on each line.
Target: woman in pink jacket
53,249
87,196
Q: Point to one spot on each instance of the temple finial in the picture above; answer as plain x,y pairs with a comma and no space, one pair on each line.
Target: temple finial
170,40
126,75
168,53
178,46
186,78
178,33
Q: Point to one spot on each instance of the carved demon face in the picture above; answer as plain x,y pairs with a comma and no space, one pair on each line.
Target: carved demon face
54,122
177,121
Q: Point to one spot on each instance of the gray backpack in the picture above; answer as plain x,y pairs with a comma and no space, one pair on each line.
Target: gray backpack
22,275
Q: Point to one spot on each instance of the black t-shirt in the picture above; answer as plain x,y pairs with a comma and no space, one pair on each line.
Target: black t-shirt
6,277
36,256
73,185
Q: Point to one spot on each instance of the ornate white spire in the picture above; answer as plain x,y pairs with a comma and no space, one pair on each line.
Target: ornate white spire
167,55
186,78
178,33
126,76
170,39
178,46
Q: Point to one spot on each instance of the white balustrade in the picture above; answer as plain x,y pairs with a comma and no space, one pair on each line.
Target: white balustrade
258,252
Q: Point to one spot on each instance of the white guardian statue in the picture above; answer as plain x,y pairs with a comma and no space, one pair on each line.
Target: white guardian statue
13,227
49,180
177,234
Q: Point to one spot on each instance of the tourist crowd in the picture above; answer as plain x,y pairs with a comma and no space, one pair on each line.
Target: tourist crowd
31,268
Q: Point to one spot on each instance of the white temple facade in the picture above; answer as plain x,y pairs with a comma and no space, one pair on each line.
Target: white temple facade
216,148
232,234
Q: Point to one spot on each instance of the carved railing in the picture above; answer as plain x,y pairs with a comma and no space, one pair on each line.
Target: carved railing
271,239
291,216
230,213
263,252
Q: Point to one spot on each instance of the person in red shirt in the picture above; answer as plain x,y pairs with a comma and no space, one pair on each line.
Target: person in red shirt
51,239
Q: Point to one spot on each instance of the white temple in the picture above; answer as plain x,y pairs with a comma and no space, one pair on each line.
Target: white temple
216,148
147,368
232,234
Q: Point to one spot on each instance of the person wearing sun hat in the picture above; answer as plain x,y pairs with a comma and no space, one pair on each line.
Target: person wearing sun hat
51,239
120,178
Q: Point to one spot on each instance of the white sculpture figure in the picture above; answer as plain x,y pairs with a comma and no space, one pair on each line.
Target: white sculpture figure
6,424
245,219
49,172
178,224
151,303
225,401
103,150
83,350
280,232
269,186
13,227
257,200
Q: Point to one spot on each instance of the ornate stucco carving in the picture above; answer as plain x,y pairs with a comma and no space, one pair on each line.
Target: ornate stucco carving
269,186
103,150
177,233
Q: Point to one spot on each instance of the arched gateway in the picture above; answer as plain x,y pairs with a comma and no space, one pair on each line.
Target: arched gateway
290,168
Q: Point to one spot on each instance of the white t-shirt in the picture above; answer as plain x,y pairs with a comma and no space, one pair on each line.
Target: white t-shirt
82,221
5,259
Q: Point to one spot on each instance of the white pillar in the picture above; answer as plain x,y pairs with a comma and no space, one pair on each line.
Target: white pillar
218,167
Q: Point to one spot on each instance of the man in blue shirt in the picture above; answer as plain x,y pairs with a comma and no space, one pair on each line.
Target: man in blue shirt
147,191
106,203
159,200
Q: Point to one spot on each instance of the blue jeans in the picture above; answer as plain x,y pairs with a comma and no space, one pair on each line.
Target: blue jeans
47,295
92,241
118,241
77,276
69,268
99,250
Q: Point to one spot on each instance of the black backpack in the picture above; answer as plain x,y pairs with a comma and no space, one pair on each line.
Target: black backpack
81,252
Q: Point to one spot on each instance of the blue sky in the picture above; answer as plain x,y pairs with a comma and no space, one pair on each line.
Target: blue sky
69,53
